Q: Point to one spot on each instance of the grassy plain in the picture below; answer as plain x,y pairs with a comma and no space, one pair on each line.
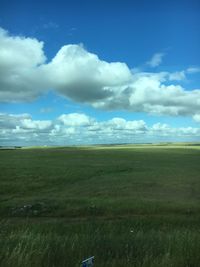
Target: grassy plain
129,206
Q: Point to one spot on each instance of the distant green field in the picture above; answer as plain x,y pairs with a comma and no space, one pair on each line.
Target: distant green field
129,206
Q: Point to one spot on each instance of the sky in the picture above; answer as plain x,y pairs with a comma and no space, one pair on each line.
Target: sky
99,72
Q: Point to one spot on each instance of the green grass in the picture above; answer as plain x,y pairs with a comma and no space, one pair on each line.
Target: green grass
126,205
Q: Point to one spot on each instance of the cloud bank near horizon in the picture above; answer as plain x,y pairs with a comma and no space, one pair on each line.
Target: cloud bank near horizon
81,76
74,128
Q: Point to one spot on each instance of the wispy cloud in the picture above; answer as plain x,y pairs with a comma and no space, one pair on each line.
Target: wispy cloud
46,110
50,25
72,30
193,70
156,60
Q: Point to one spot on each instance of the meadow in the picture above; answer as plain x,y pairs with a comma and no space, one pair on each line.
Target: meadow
129,206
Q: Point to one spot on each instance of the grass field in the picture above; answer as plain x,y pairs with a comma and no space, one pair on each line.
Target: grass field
129,206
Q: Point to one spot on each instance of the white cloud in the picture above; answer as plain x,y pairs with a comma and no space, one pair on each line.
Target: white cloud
196,117
15,51
23,122
161,129
122,124
192,70
37,124
20,59
9,121
81,76
148,93
77,128
177,76
165,130
156,60
75,119
15,129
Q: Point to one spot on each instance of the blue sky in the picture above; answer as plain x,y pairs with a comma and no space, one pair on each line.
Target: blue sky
66,90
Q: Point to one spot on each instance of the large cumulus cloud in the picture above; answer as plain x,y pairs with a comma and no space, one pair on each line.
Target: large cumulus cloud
20,75
81,76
